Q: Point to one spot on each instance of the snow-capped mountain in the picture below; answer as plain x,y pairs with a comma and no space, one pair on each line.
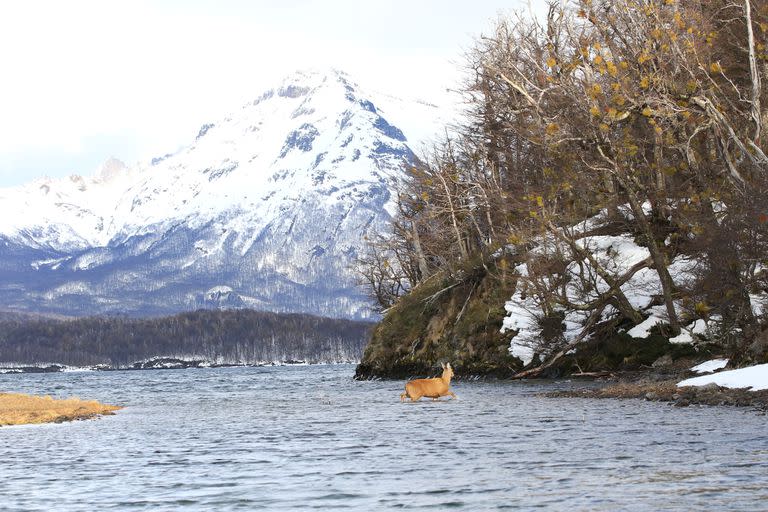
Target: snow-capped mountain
266,208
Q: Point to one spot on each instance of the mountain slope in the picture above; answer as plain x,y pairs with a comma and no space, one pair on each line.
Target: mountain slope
267,208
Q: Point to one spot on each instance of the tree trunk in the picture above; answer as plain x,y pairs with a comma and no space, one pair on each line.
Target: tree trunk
661,210
754,72
659,261
613,199
452,209
420,258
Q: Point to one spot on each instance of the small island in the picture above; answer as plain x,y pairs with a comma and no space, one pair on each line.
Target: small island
20,409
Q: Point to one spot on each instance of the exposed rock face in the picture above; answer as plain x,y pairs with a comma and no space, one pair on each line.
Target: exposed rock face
427,327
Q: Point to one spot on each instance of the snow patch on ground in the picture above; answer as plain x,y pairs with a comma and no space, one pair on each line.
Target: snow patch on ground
643,329
710,366
754,377
687,334
615,255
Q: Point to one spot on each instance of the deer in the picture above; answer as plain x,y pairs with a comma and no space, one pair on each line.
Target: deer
431,388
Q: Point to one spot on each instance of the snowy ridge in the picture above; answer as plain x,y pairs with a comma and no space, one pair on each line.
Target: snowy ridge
272,202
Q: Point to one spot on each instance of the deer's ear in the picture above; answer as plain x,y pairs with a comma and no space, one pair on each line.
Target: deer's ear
448,365
442,365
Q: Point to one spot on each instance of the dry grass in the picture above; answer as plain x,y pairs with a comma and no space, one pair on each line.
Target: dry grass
18,409
660,390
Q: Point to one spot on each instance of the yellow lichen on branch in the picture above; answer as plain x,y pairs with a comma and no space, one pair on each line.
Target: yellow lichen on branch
20,409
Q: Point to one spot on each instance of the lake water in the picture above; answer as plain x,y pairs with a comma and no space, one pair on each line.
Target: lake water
301,438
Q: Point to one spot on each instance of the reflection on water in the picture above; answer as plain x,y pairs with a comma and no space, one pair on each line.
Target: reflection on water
312,438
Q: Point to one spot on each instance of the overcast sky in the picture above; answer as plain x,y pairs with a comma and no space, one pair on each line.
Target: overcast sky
86,80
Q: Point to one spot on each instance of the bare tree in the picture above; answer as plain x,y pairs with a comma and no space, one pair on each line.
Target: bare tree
647,114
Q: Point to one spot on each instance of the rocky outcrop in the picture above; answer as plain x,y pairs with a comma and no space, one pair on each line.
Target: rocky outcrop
443,320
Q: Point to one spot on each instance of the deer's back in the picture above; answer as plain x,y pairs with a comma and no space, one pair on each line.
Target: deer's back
427,387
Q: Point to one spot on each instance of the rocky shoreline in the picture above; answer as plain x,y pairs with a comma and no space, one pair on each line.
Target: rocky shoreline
656,388
657,382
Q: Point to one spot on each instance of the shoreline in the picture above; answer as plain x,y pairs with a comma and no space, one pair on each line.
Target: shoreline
657,383
667,390
22,409
160,363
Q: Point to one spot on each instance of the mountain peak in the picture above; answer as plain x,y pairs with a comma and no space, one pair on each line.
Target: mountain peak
313,77
267,208
111,168
304,82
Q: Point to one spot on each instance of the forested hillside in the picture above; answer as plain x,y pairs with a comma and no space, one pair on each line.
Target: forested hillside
612,177
211,337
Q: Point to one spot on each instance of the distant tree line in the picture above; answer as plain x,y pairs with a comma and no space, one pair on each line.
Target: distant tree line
218,337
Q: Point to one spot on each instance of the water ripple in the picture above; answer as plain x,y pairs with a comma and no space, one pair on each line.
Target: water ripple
233,439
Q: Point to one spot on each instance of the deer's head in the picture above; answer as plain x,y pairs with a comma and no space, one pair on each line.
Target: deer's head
447,370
